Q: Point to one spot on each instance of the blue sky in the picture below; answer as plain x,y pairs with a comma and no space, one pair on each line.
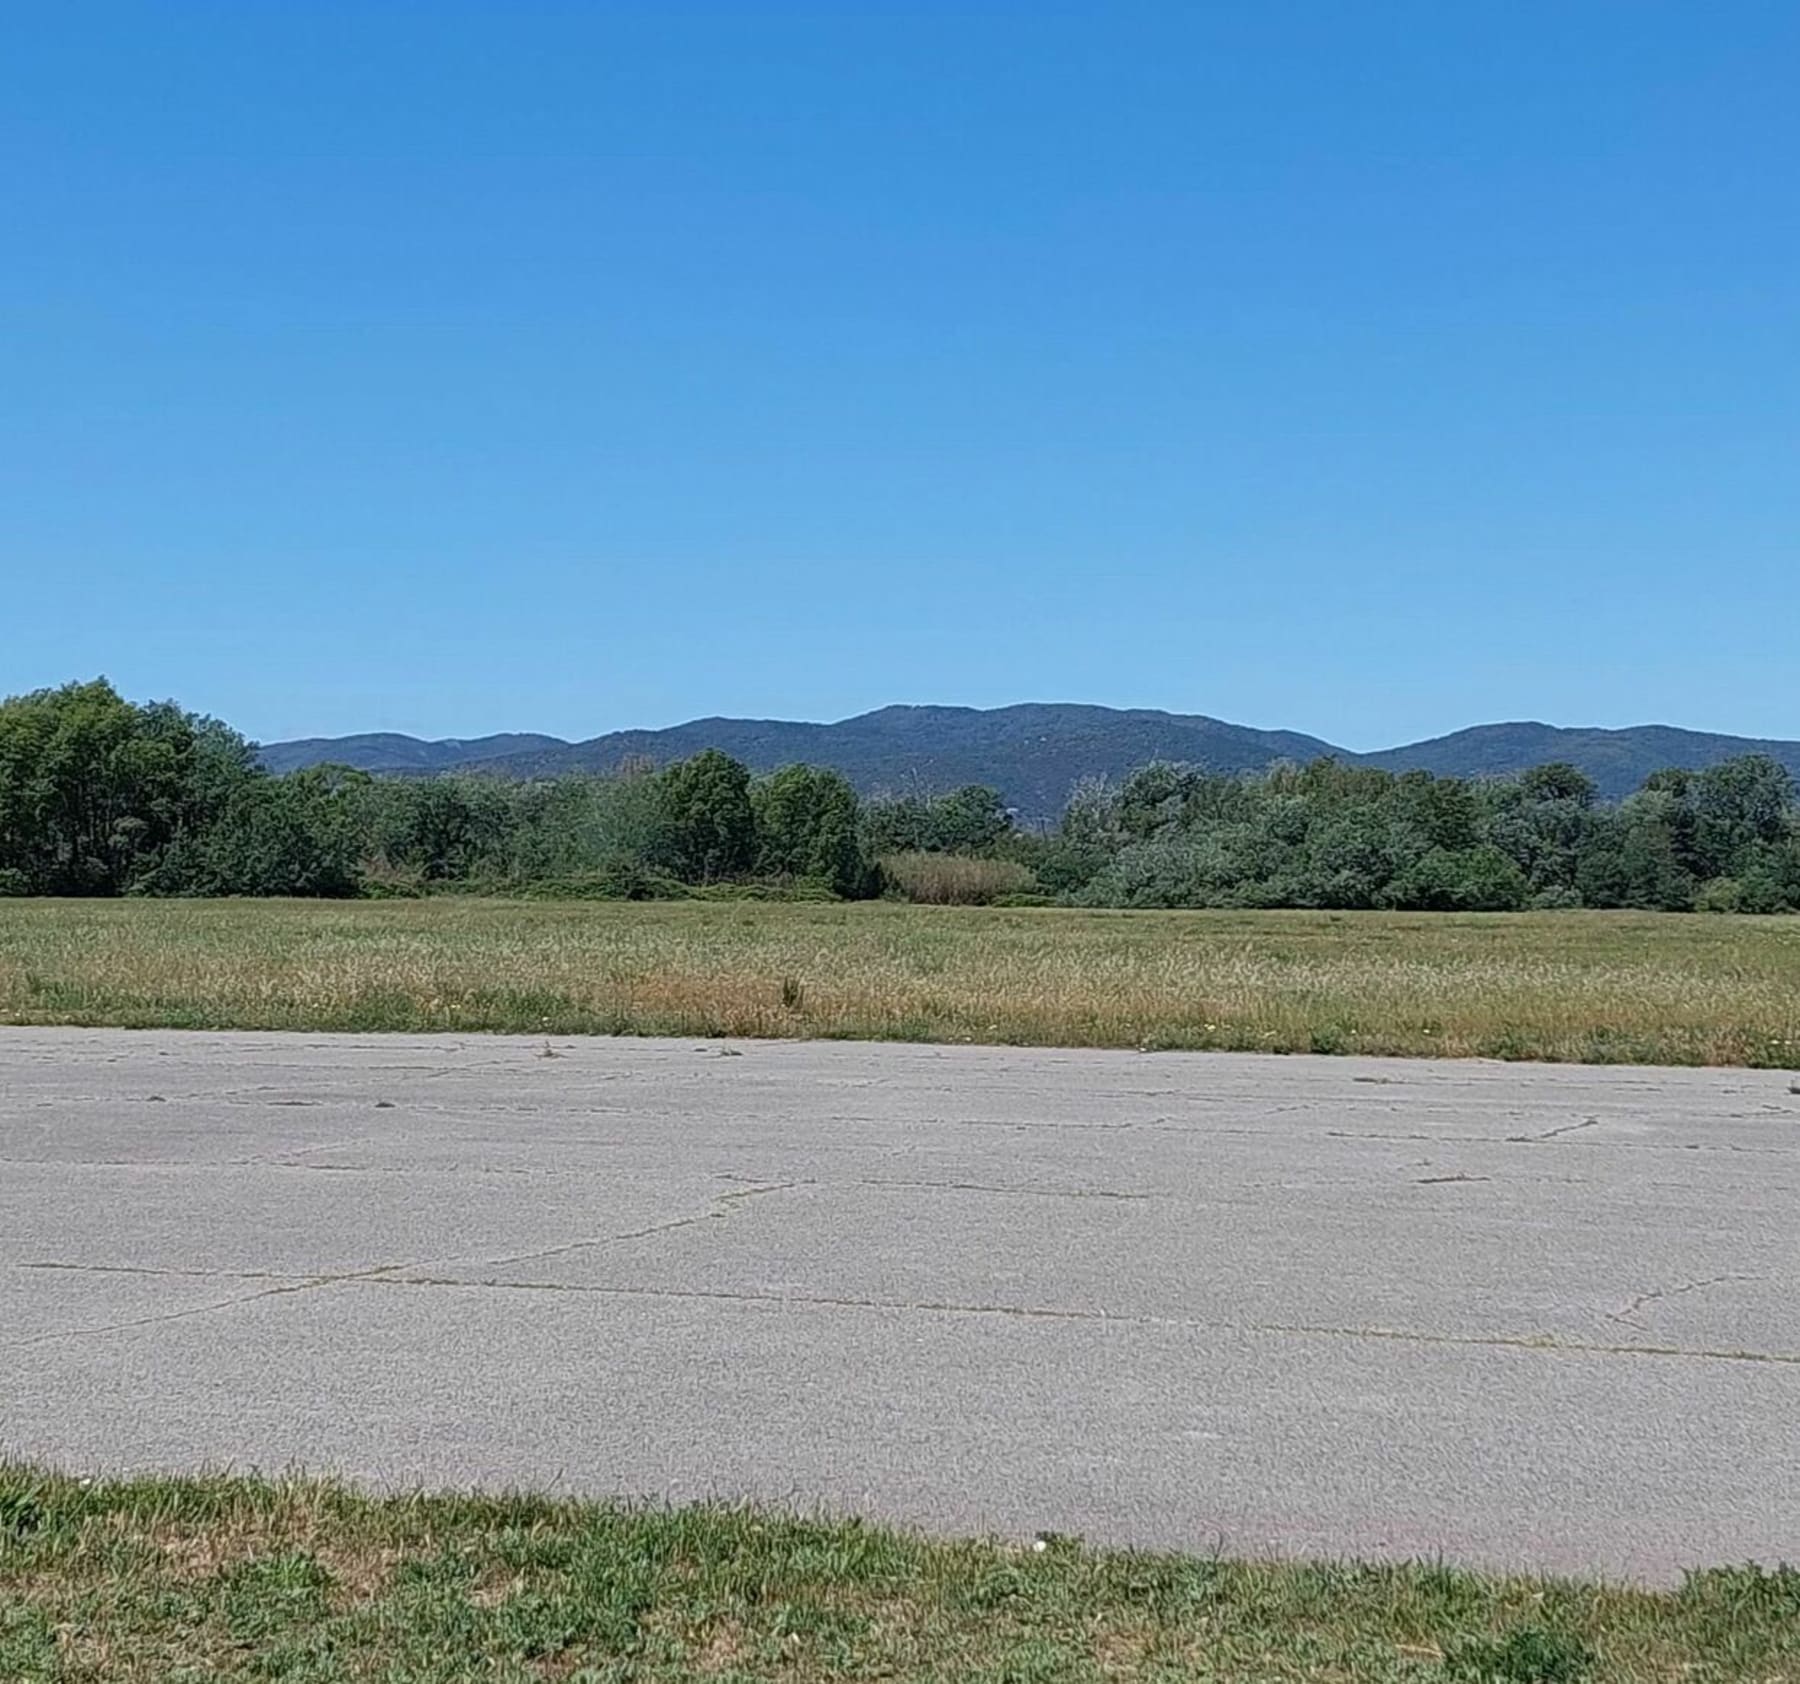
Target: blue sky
1368,369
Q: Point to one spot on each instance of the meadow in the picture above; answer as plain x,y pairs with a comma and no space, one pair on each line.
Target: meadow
157,1580
1566,986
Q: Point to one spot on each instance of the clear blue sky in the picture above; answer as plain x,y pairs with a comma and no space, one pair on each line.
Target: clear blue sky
1369,369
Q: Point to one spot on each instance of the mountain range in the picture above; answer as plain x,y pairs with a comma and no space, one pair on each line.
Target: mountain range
1033,753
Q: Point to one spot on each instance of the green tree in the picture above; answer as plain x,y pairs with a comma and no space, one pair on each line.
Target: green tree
970,820
98,796
1631,861
1085,840
1441,812
1480,879
1154,799
1350,857
302,834
1739,806
807,827
1770,877
1544,823
590,828
896,824
441,830
710,827
1558,781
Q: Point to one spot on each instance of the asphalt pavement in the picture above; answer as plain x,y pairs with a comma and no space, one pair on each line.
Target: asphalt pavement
1521,1316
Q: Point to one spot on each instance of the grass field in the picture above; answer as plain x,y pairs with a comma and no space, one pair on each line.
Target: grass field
162,1580
1613,987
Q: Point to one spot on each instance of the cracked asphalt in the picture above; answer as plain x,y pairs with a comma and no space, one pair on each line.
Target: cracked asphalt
1522,1316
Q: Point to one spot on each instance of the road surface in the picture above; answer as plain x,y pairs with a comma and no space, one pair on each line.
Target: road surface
1519,1316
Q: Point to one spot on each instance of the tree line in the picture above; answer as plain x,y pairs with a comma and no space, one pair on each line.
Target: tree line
102,796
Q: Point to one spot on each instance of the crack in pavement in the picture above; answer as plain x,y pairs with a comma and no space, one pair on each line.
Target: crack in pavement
991,1187
1030,1312
168,1272
283,1288
719,1200
1533,1139
1551,1134
1631,1309
925,1184
390,1275
403,1169
186,1166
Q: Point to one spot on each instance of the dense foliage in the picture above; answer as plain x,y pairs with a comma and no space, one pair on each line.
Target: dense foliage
1326,835
100,796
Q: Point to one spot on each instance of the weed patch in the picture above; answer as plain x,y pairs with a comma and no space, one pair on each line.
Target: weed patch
150,1580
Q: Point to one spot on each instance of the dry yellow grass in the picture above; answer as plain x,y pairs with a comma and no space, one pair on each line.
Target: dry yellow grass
1569,986
953,880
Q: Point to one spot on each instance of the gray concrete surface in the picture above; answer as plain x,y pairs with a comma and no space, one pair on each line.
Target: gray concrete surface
1514,1315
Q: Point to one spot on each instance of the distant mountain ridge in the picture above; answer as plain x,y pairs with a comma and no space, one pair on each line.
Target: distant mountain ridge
389,751
1033,753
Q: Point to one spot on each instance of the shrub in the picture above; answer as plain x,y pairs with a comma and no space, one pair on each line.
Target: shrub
1065,865
389,886
954,880
620,880
1722,894
1528,1654
784,889
1470,880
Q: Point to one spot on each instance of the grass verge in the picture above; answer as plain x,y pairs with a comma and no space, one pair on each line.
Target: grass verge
1594,987
172,1580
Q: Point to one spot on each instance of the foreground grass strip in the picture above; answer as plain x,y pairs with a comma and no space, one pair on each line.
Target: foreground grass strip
213,1578
1576,987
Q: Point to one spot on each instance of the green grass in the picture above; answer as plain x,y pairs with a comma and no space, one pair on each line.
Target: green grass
1598,987
170,1580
